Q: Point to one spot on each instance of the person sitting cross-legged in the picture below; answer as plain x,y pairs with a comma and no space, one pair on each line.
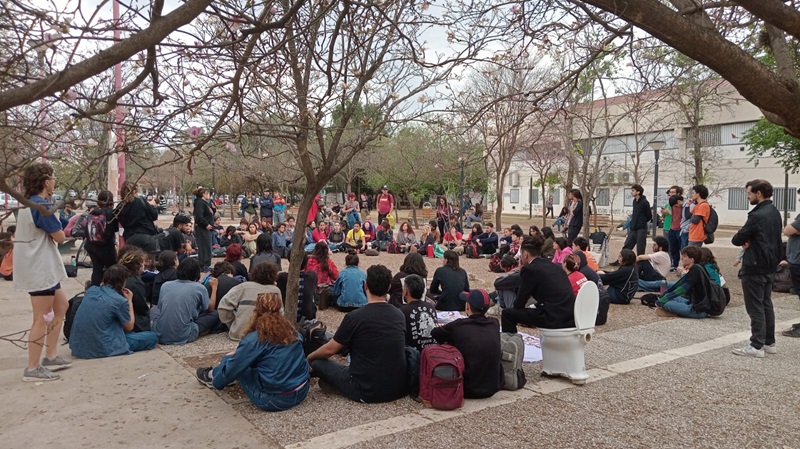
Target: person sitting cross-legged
348,290
653,268
688,297
478,339
269,363
375,336
104,322
184,311
236,307
549,286
356,239
420,314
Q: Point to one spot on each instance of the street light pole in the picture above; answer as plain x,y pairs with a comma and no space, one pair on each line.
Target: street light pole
214,178
461,195
657,146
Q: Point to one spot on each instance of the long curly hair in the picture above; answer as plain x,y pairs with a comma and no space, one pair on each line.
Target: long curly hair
34,178
132,258
267,320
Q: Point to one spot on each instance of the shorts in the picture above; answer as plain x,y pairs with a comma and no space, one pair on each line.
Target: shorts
48,292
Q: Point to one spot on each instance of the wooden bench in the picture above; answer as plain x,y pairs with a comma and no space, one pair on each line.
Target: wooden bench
603,222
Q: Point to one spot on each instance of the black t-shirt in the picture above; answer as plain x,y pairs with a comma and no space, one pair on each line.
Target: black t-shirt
336,237
448,284
140,309
170,274
478,339
172,239
549,285
241,270
420,321
375,336
224,285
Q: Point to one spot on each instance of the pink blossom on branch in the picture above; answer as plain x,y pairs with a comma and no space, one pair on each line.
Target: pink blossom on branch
195,132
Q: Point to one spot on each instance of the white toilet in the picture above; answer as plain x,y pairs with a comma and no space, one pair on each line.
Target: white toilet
562,349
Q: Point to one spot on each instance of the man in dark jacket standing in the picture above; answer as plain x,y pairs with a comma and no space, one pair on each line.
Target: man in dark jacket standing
641,215
761,239
265,205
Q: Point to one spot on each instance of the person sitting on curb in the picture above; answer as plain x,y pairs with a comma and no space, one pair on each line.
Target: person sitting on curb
184,311
548,284
375,336
420,314
269,363
478,339
348,290
653,268
104,322
236,307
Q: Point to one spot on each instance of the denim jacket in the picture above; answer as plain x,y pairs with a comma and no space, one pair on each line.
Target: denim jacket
349,287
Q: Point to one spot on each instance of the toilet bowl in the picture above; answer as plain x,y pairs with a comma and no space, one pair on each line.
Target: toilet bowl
562,349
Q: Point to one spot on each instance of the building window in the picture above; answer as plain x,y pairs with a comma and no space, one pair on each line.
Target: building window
603,198
556,196
628,198
779,195
514,196
534,196
737,199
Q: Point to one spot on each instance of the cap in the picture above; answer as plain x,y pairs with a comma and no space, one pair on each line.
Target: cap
385,188
478,299
181,219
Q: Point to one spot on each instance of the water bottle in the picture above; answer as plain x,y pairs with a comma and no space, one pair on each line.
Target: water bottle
73,261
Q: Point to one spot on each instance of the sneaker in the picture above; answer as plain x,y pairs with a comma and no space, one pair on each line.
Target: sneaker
749,351
495,310
793,332
56,363
770,349
203,376
39,374
663,313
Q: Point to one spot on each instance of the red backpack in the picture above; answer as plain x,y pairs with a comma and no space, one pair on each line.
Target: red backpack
441,377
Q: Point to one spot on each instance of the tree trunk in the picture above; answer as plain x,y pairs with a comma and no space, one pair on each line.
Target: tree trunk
498,213
296,255
413,210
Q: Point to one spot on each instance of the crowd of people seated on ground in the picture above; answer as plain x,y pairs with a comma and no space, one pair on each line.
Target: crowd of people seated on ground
131,310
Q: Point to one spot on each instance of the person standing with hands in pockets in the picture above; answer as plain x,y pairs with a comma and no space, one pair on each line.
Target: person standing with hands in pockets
761,239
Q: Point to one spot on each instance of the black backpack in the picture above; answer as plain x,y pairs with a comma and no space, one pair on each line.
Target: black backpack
72,310
710,226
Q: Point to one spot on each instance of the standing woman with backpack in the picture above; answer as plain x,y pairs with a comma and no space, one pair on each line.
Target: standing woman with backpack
137,217
443,212
100,244
203,224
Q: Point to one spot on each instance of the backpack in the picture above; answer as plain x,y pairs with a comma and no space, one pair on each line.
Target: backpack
78,230
783,280
72,310
95,228
710,226
314,334
441,377
717,299
393,248
513,351
471,250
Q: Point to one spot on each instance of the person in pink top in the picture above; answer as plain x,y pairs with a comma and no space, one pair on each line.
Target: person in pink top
562,250
322,265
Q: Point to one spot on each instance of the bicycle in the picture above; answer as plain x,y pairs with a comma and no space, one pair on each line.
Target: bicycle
82,258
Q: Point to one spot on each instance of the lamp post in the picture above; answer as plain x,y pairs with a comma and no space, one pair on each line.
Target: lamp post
213,177
657,146
461,195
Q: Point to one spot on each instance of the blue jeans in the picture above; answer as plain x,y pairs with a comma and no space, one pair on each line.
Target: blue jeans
141,341
682,307
337,375
653,286
617,297
684,240
273,402
279,217
697,244
674,239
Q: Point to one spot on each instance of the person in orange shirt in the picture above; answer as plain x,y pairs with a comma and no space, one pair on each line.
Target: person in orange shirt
700,215
581,244
7,253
